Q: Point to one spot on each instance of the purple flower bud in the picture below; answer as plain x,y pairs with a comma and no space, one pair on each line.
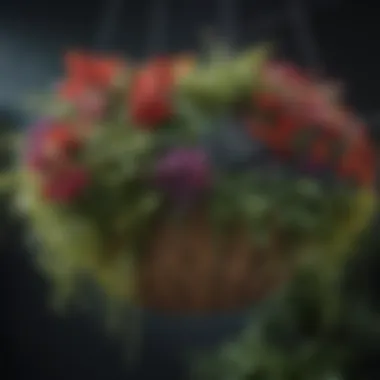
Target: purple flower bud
183,173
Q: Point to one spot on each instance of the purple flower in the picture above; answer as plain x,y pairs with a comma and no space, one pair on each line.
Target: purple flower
183,173
34,140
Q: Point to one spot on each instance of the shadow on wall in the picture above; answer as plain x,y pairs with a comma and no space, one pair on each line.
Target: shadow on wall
33,38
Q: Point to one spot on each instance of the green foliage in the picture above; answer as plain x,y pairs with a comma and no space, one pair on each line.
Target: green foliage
310,330
298,335
7,182
287,339
222,81
303,212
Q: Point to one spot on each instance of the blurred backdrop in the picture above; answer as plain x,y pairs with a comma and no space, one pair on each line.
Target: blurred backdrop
334,37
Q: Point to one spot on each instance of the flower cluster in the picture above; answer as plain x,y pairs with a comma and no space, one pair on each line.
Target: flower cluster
139,141
56,146
289,113
296,115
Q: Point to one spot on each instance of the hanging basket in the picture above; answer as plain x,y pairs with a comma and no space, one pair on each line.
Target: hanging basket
188,186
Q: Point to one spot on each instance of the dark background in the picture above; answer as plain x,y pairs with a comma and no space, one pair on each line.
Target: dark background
335,37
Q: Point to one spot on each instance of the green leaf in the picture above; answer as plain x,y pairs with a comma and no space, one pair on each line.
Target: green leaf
10,142
256,207
8,181
49,105
222,81
246,69
309,189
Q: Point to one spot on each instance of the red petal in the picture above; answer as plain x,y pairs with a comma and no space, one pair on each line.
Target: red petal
104,70
268,102
320,152
66,186
60,133
77,65
60,142
358,164
149,100
72,90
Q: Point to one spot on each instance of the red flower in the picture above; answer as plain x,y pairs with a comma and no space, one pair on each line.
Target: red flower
58,146
336,128
268,102
62,178
298,91
88,79
275,125
285,77
86,72
327,139
358,163
62,140
66,185
150,96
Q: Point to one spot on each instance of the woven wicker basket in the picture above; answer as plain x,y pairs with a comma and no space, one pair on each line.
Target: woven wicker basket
187,269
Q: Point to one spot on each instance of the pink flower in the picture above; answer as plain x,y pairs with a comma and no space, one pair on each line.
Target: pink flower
92,106
67,185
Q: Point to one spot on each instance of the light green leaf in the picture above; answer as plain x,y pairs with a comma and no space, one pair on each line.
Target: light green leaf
8,181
